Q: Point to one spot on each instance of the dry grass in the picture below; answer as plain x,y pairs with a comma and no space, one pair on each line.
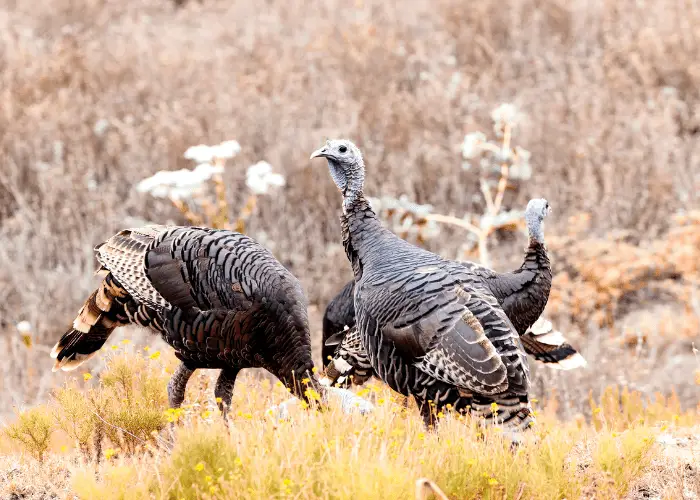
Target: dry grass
632,446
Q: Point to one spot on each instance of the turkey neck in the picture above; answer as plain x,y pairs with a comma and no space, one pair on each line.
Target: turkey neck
363,234
526,312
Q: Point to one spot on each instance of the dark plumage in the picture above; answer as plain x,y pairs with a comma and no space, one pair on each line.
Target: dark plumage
431,328
522,294
349,362
219,298
340,313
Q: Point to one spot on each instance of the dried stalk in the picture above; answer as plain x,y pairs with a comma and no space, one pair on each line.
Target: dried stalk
424,487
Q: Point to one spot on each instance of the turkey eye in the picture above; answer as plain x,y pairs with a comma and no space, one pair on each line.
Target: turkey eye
342,149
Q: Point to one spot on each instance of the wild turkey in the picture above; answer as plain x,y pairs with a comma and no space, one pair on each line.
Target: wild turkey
522,294
431,328
339,314
349,363
219,298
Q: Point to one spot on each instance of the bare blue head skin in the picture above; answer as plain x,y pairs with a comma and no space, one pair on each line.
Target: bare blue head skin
537,209
346,166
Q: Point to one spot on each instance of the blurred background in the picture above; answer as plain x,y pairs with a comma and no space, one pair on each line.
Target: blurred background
601,99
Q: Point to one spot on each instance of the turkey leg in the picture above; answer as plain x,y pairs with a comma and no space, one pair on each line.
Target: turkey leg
224,389
178,384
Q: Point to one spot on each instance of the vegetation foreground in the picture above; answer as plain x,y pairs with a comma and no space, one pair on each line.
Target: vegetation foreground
631,448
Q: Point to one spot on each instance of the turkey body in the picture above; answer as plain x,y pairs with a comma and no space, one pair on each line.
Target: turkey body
522,294
431,328
219,298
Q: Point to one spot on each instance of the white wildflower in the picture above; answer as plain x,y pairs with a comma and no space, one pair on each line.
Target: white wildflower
178,184
471,147
24,327
200,153
227,149
260,178
203,153
504,114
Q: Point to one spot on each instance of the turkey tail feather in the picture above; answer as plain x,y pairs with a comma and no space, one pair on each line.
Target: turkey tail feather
96,320
549,346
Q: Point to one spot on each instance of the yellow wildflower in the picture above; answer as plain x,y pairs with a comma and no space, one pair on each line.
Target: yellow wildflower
109,453
314,369
155,355
206,414
492,481
199,467
86,376
305,380
146,348
219,400
114,347
208,479
126,341
471,462
312,394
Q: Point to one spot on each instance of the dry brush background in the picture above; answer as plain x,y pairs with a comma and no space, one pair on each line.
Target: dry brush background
95,95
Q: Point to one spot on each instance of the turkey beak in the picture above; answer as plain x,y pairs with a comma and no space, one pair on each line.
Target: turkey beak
321,152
